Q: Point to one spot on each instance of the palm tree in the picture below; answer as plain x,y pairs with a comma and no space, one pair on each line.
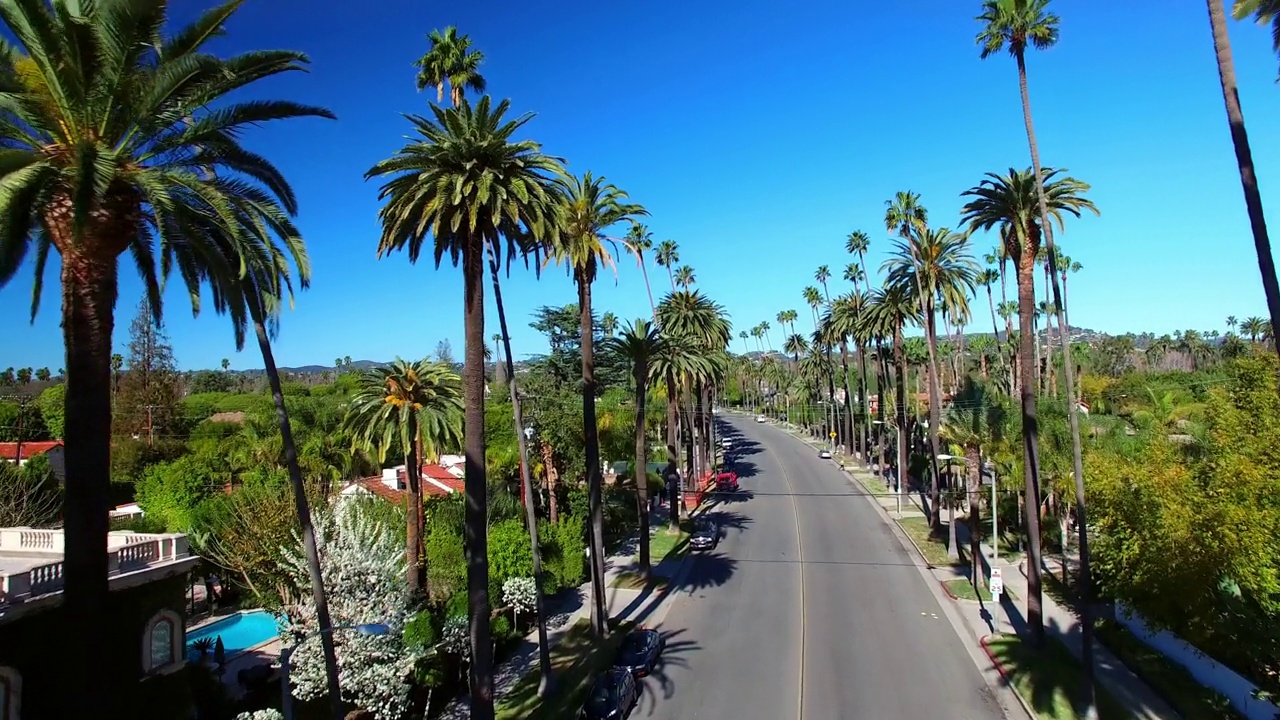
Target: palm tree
1266,11
764,328
590,207
1008,203
822,274
639,241
857,244
987,278
506,191
684,277
795,344
129,138
744,337
416,406
853,273
1255,327
226,364
813,299
842,321
638,344
932,265
450,60
667,254
608,324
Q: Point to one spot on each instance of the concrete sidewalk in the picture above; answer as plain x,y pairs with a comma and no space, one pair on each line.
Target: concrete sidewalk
1060,622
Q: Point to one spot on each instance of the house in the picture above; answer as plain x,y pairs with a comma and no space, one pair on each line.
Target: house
22,452
146,638
392,485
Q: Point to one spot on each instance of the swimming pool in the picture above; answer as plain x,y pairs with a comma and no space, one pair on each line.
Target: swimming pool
239,632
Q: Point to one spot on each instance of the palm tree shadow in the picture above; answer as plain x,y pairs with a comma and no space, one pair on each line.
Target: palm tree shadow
659,685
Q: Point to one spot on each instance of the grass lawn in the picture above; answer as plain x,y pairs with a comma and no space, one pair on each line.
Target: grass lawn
575,662
933,547
1170,680
963,589
868,480
663,543
633,581
1049,679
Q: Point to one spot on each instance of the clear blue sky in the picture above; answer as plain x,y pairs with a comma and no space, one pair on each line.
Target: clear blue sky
758,135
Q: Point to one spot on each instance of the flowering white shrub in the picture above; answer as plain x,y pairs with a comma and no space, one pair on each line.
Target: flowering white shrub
521,594
268,714
455,637
363,566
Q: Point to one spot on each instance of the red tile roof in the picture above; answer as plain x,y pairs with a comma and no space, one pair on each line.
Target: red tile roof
375,486
9,450
433,476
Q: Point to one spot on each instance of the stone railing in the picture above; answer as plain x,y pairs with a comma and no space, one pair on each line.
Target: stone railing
127,552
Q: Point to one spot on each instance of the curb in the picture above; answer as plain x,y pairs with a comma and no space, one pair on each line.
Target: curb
1004,675
947,589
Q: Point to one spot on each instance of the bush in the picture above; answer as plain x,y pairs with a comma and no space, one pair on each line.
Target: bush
213,431
170,492
446,562
510,555
564,552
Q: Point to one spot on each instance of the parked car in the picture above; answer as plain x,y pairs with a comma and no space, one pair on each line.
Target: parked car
640,652
825,454
726,443
760,418
706,535
612,696
727,482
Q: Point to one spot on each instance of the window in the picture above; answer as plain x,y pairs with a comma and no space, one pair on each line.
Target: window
161,642
10,694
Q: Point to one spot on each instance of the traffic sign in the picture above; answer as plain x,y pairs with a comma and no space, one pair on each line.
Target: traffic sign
996,586
833,436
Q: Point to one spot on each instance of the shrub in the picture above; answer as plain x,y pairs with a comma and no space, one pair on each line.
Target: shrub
510,555
564,552
520,594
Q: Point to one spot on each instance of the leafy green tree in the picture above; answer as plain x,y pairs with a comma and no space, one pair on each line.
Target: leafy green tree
170,492
114,123
53,409
419,406
507,193
21,422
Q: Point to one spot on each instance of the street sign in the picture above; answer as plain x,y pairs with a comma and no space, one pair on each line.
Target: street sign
833,436
997,583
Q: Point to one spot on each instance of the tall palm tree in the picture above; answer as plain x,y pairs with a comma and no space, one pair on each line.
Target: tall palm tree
813,299
416,406
639,241
638,345
684,277
667,254
744,337
933,265
589,208
764,328
450,60
130,137
1266,11
1009,203
853,274
842,322
506,191
858,243
987,278
822,275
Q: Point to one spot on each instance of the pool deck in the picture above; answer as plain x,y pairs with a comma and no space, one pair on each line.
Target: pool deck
267,652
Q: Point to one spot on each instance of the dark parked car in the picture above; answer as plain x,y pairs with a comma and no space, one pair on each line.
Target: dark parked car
706,535
640,651
612,696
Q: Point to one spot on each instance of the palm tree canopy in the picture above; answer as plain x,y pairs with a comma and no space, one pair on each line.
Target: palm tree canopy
452,60
936,263
667,254
639,241
589,206
690,314
904,215
387,397
857,243
1008,203
463,180
1015,24
638,344
111,145
889,308
685,277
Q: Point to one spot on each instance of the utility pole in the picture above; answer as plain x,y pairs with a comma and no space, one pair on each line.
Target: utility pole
22,401
151,436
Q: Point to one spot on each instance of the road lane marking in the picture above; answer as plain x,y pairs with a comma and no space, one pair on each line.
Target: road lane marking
786,477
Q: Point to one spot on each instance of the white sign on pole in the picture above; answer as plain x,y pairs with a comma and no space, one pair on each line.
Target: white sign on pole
997,583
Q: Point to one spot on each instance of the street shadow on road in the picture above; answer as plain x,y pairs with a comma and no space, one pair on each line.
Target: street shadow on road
660,685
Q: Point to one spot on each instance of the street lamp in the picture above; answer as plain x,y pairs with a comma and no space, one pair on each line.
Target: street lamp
286,694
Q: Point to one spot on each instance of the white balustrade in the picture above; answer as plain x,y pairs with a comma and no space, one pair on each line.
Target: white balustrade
39,554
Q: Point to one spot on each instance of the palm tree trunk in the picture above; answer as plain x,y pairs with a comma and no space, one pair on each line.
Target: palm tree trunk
88,296
548,464
1088,701
641,375
1030,439
935,413
290,453
413,513
644,270
899,359
852,437
1244,159
953,547
526,484
595,483
475,518
974,475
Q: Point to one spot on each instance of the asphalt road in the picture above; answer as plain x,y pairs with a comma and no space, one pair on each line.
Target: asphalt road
809,609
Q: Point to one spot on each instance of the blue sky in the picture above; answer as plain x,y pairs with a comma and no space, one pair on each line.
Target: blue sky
758,136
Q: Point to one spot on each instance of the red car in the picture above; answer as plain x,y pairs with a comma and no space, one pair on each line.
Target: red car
726,481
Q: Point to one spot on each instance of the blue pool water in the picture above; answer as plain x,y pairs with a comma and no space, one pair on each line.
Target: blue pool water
239,632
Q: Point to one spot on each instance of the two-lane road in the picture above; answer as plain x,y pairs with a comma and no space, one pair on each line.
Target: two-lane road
810,609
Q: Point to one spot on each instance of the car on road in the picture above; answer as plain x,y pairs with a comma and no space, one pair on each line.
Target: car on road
727,482
612,696
706,534
760,418
825,454
726,443
640,651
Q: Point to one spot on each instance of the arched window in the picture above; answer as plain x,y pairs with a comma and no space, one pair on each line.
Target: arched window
10,694
162,642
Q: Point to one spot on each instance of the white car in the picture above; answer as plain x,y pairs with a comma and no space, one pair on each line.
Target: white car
824,454
760,418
